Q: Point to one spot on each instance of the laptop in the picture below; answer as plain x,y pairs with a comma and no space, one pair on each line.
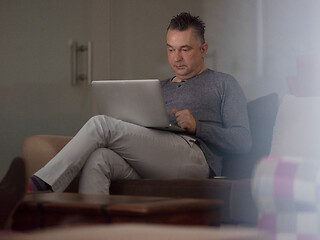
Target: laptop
135,101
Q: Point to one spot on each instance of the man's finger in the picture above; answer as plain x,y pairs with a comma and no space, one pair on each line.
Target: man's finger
174,111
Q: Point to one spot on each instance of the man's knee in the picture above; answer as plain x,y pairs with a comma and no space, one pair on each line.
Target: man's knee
98,160
98,119
100,154
105,122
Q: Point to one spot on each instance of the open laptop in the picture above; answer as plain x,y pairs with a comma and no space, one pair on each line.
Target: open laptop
136,101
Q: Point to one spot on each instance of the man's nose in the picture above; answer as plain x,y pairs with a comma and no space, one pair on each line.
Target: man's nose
177,56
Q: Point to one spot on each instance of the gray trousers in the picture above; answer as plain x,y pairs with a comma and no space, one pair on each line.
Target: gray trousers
106,149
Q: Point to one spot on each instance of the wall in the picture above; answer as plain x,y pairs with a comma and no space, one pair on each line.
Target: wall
36,95
290,31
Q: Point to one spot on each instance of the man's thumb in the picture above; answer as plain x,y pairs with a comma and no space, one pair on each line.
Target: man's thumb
174,111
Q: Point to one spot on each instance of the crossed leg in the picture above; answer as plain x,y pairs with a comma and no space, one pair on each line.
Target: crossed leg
150,153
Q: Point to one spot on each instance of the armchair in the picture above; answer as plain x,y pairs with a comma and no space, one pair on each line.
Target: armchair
233,188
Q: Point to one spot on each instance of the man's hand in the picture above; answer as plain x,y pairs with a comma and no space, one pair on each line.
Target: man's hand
185,120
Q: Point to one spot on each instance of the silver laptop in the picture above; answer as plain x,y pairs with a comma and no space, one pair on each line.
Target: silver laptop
136,101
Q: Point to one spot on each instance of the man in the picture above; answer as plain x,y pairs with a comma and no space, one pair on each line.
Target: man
210,106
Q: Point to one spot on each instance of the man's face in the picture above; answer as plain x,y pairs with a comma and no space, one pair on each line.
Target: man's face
185,53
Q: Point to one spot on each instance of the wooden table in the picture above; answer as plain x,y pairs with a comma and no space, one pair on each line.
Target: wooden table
41,210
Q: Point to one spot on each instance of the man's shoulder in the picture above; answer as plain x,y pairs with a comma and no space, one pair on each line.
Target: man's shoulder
219,75
219,78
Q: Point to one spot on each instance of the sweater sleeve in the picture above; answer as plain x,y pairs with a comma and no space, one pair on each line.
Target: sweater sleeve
233,136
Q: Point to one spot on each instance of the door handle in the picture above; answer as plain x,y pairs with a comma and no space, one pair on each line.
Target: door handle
77,53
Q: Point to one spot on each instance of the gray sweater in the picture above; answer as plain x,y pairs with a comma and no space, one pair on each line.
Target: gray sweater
219,106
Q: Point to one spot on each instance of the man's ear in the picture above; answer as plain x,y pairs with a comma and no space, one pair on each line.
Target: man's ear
204,49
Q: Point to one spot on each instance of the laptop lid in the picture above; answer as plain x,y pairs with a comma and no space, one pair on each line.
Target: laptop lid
136,101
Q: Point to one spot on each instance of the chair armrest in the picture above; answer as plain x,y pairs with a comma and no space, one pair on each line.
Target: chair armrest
37,150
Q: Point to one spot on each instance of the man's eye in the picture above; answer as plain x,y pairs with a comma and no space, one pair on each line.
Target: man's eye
170,50
185,49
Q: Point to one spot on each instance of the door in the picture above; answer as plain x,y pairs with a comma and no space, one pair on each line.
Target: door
36,93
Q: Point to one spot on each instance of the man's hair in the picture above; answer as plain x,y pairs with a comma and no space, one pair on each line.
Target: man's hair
184,20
